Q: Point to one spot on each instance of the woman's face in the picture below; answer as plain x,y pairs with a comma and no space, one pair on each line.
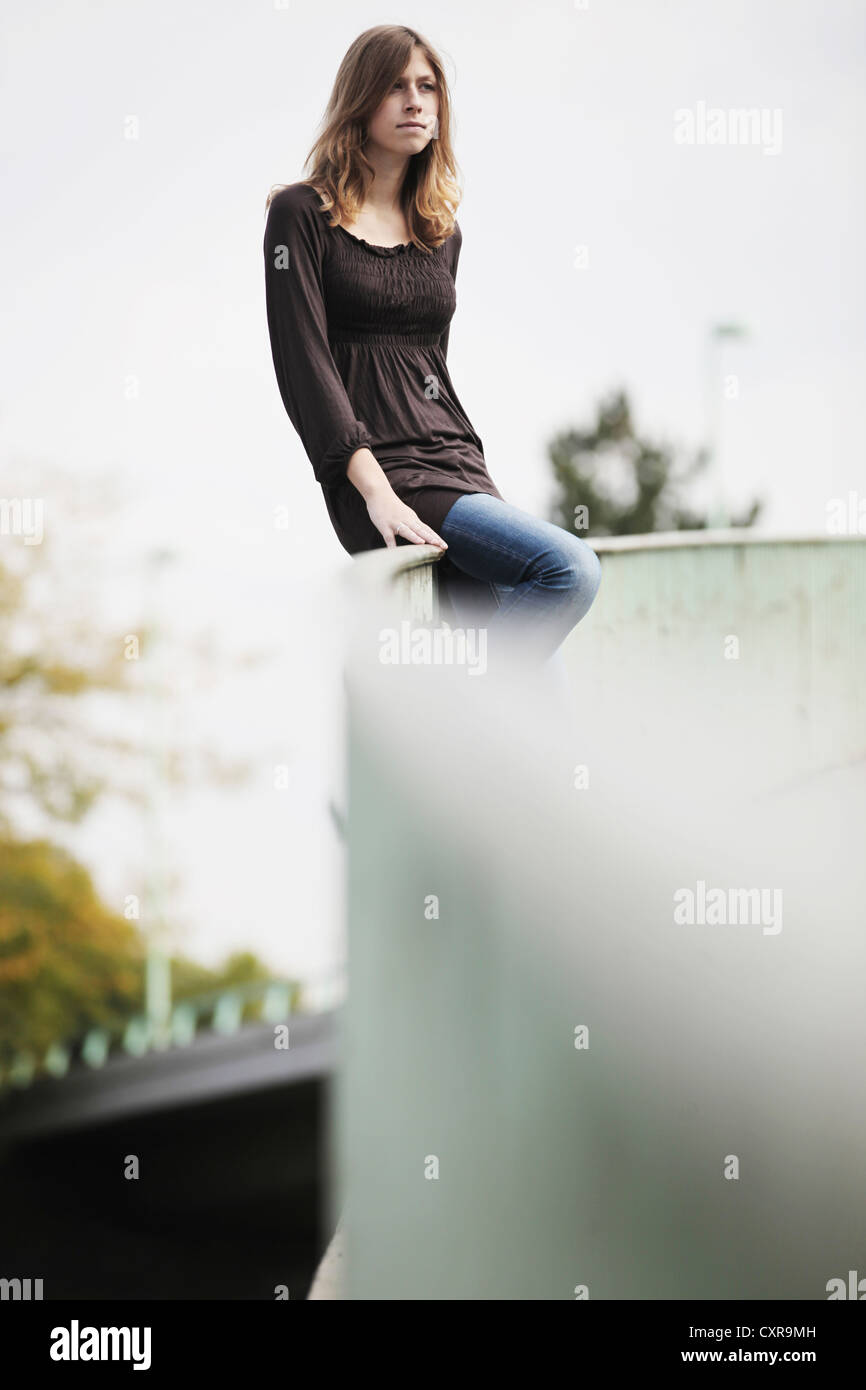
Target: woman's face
407,119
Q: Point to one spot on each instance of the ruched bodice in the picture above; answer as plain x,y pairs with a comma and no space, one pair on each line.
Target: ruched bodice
395,293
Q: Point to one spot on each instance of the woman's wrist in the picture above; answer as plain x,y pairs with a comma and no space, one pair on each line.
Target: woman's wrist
365,473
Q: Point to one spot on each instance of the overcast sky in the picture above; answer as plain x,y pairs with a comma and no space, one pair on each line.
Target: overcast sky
597,252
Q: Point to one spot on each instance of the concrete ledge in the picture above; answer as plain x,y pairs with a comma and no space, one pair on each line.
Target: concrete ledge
401,577
732,535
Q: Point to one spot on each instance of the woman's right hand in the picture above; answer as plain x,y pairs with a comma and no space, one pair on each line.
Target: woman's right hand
393,518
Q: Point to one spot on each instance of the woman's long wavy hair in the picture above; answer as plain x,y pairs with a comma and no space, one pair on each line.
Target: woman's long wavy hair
340,171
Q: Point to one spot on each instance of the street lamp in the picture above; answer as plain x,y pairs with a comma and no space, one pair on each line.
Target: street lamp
158,968
719,331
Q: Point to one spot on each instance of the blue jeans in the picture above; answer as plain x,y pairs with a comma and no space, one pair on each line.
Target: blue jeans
514,574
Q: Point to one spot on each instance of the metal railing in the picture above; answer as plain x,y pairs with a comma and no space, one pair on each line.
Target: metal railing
220,1011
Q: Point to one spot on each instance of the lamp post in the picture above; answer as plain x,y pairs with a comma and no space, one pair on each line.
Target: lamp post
157,968
719,515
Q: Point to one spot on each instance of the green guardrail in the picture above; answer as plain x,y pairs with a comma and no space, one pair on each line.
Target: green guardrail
221,1011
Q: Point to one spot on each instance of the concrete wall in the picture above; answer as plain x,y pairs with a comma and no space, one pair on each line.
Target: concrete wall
555,1082
770,634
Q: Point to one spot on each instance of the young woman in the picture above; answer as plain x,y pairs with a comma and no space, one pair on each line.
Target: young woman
360,262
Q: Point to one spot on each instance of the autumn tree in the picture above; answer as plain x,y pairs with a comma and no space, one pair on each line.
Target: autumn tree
69,962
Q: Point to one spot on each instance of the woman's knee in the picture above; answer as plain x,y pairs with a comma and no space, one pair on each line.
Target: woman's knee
582,567
592,565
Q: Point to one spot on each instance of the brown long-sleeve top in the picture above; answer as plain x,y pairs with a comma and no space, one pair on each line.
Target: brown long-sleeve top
359,335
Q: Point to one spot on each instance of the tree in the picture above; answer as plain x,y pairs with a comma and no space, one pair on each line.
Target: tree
67,961
612,483
68,964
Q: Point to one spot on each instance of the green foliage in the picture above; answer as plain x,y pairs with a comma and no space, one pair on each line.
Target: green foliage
66,962
628,486
189,978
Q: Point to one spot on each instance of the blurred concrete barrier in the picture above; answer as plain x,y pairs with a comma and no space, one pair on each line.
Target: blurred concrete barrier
766,634
603,1036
